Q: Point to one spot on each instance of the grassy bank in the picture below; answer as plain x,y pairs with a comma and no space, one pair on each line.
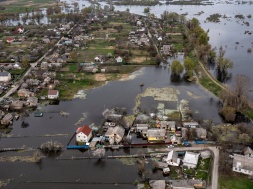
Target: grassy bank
210,85
236,181
23,5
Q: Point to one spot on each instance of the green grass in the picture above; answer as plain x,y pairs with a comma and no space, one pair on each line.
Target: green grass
201,175
249,113
72,68
24,5
209,85
236,181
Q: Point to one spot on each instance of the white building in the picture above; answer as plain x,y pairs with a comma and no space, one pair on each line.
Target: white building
83,134
191,159
172,158
53,94
5,76
243,163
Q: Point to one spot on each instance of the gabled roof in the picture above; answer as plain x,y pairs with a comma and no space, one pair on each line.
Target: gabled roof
248,151
53,92
4,74
191,157
172,156
85,129
243,162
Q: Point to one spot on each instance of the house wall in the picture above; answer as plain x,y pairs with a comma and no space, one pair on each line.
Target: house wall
190,165
5,78
53,96
81,137
244,171
155,139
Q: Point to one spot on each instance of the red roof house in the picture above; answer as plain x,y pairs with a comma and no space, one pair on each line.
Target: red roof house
53,94
10,40
20,29
83,134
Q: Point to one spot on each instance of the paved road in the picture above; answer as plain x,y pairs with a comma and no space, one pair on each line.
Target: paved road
215,173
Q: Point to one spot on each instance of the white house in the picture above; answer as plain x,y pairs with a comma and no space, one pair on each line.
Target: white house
5,76
83,134
243,163
119,59
172,158
53,94
191,159
20,29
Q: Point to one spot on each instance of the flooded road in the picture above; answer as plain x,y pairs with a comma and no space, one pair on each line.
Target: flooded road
53,171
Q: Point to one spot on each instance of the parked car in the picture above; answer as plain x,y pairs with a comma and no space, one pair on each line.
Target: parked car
171,146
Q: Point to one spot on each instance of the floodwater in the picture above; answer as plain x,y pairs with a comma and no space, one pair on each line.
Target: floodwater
91,173
227,33
53,173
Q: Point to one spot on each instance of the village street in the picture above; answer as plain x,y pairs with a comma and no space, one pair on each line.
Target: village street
17,84
215,150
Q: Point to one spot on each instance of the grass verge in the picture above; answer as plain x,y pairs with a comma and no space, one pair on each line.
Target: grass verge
236,181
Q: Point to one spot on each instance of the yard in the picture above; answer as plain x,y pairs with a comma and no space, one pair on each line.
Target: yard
235,181
201,172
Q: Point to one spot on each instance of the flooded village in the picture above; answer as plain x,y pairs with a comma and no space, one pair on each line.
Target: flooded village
95,93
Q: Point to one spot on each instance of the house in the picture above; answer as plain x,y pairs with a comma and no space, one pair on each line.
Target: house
201,133
24,93
53,94
205,154
17,105
172,158
243,164
114,134
248,152
7,119
175,140
5,76
119,59
170,125
32,101
187,184
167,50
83,134
157,184
156,135
192,124
142,129
10,40
99,58
45,40
191,159
20,29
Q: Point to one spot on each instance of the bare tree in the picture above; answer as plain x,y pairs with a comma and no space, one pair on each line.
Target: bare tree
237,96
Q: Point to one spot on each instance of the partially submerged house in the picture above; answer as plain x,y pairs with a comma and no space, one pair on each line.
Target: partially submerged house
7,119
142,130
156,135
114,135
191,124
53,94
169,125
191,159
83,134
